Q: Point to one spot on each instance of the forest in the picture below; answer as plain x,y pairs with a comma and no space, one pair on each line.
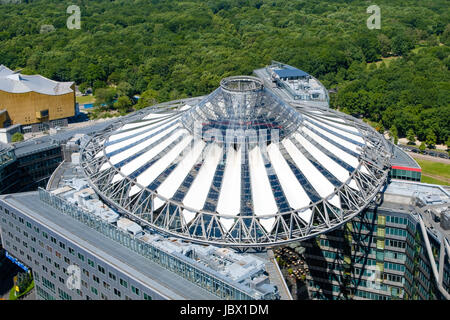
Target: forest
396,77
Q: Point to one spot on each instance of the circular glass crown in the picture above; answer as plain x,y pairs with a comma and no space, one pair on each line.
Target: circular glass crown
241,84
242,104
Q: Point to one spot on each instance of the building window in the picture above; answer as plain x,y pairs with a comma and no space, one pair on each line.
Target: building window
117,292
91,263
63,295
101,269
112,276
123,283
135,290
80,256
147,297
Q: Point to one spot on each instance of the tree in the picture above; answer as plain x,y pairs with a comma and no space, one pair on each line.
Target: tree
422,147
431,138
394,134
402,44
123,104
124,89
23,281
148,98
105,97
411,136
379,127
385,45
16,137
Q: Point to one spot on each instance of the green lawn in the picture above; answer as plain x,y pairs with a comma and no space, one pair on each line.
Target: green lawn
434,168
85,99
387,61
437,169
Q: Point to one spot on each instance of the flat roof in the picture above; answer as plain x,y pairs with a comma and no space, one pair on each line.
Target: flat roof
290,72
402,159
166,283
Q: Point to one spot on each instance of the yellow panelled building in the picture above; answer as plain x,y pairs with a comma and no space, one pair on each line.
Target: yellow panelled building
33,99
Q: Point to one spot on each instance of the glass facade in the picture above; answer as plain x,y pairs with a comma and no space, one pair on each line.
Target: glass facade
403,174
387,260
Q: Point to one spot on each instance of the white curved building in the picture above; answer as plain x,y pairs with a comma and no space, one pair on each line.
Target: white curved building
241,168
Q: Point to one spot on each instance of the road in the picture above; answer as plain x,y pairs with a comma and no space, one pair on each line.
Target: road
429,158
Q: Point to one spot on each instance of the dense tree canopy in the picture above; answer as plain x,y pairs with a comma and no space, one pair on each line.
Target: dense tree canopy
164,50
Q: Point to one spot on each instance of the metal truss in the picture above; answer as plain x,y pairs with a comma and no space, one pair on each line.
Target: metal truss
247,231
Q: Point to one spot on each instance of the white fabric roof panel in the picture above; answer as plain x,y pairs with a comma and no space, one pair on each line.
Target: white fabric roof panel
198,192
151,127
141,123
342,142
169,186
344,133
149,175
188,215
341,154
131,140
140,161
137,148
230,194
305,215
314,176
262,195
341,124
328,163
294,192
